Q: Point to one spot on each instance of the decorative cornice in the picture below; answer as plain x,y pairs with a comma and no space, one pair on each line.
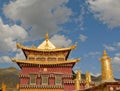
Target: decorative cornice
42,86
45,62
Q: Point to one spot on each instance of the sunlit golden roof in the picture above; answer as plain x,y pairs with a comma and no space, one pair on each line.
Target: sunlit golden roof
46,44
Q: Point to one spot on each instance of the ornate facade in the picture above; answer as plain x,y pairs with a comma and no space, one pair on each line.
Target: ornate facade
46,68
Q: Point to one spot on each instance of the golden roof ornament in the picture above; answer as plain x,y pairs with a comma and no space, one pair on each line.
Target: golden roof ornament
46,44
78,75
47,37
47,40
106,68
88,79
77,80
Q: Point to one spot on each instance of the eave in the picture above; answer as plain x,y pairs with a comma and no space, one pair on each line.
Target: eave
33,48
45,62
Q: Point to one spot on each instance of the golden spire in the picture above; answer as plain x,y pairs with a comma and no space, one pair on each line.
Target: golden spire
106,69
77,80
88,76
88,79
3,87
78,75
17,86
46,38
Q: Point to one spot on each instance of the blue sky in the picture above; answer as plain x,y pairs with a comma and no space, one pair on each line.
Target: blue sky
93,24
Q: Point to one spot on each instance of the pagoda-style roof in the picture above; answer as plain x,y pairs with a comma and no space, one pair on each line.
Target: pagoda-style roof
33,48
45,62
46,45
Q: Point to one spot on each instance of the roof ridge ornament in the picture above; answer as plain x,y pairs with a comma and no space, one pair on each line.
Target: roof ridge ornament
47,38
105,53
46,44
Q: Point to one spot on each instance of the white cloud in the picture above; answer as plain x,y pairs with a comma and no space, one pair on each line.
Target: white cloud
9,35
116,62
82,37
20,55
60,41
106,11
92,54
5,62
42,15
5,59
81,18
118,44
109,48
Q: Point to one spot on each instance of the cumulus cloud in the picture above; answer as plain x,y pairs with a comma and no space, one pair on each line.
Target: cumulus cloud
118,44
60,41
5,62
92,54
82,37
106,11
116,62
9,35
20,55
80,19
40,15
5,59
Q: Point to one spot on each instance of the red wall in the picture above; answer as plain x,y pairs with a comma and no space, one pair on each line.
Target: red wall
64,70
69,87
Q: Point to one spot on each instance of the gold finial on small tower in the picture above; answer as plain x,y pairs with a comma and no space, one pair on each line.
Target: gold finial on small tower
88,79
78,75
88,76
3,86
17,86
77,80
106,69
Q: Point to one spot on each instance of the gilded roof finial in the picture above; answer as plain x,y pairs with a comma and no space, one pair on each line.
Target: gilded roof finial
78,75
105,53
47,37
106,68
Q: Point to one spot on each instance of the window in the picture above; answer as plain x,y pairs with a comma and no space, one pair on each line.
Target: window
58,80
33,78
44,79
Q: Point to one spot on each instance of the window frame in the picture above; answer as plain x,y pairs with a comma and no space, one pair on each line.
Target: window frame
43,78
31,78
58,77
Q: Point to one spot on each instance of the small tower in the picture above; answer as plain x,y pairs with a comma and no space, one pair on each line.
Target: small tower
3,86
88,79
106,69
17,86
77,80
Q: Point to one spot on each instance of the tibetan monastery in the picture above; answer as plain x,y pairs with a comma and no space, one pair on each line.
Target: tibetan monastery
47,68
